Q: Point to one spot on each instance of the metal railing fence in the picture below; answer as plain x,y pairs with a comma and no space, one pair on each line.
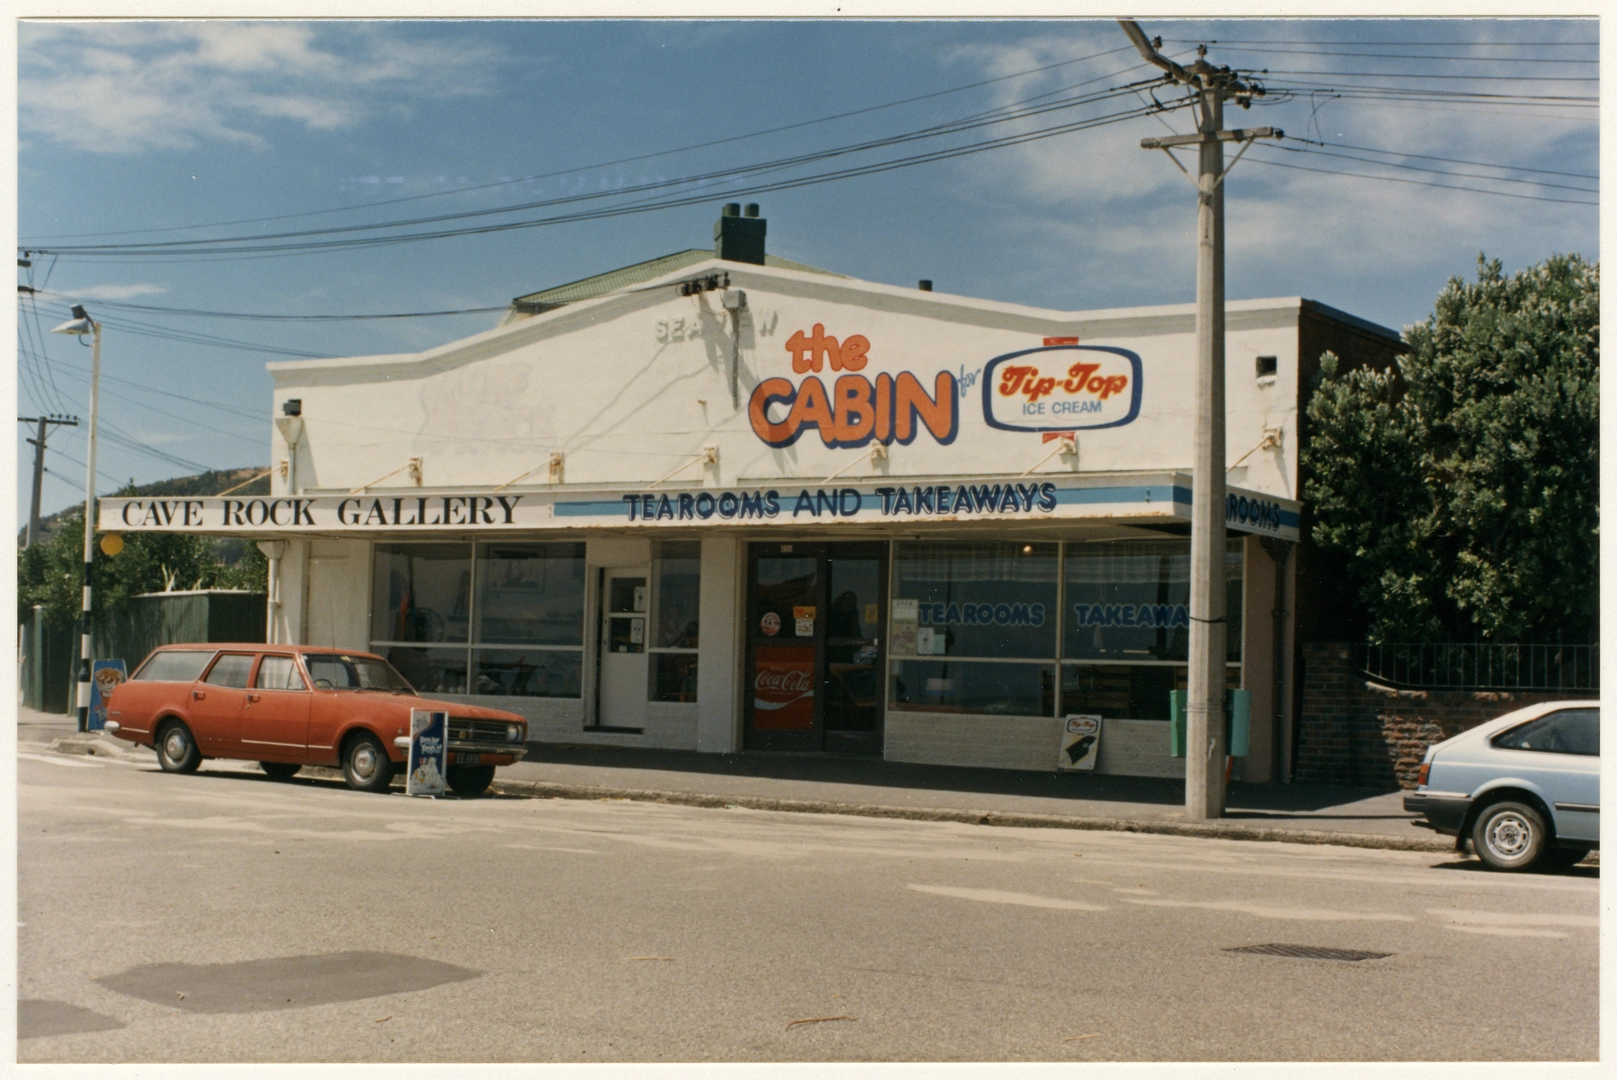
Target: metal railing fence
1461,666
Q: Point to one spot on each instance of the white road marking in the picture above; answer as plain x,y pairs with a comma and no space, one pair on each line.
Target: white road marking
995,896
69,763
1264,912
1506,918
1504,931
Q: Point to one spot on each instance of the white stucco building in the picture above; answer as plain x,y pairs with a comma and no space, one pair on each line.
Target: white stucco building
719,501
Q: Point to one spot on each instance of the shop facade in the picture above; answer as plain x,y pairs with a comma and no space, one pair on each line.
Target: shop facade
723,505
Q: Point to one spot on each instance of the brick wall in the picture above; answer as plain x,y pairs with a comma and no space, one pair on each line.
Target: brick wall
1357,732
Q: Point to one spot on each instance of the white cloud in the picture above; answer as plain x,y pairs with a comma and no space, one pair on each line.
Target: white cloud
117,292
126,87
1118,221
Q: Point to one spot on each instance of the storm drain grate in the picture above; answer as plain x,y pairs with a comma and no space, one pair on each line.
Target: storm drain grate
1309,952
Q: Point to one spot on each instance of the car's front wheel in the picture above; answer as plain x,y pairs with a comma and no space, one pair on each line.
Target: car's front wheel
365,764
470,780
1563,857
177,749
1509,836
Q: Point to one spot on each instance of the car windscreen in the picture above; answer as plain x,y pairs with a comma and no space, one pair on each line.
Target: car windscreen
177,666
332,672
1565,731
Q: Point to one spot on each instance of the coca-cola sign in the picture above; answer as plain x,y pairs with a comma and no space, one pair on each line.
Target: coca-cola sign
783,688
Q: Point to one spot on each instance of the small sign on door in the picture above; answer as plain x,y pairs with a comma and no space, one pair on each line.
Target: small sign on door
1080,743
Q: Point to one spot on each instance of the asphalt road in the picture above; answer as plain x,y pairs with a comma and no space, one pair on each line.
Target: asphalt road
227,917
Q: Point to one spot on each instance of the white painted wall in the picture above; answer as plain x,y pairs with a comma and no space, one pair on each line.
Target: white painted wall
628,401
337,594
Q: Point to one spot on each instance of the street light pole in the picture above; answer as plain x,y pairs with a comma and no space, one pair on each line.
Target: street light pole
78,325
1205,747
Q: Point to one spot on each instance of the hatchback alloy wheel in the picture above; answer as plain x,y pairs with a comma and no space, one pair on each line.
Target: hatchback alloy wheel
1509,836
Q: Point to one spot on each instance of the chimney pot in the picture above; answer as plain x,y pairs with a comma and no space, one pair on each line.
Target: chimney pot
737,238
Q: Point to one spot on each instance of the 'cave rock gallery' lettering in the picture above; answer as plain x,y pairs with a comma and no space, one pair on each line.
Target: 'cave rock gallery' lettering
935,499
1062,388
854,409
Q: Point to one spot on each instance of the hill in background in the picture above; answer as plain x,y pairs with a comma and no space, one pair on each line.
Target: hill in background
212,482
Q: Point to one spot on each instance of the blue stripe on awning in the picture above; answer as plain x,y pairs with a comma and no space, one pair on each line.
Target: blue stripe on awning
592,508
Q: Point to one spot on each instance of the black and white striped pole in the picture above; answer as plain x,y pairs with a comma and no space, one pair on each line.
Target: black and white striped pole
79,325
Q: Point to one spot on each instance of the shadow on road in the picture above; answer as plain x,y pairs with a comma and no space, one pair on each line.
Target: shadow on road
1245,800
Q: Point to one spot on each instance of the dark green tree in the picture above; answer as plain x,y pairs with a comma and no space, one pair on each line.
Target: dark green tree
1459,491
50,573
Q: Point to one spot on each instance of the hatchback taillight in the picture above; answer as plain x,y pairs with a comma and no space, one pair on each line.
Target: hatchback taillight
1425,771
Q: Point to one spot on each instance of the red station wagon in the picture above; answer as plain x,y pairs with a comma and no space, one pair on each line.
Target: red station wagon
287,706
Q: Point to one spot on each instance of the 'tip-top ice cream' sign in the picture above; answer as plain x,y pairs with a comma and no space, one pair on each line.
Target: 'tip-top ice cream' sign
1062,387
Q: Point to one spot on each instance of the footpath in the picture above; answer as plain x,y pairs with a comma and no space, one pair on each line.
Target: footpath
835,784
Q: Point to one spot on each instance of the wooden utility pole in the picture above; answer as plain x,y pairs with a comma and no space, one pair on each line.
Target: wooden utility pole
1205,746
38,443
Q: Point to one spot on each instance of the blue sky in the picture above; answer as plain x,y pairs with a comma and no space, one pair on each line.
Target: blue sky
140,132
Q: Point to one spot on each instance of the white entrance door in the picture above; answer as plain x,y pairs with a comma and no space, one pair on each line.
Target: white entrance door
625,610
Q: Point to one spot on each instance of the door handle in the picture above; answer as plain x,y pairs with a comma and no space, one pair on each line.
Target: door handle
198,695
252,697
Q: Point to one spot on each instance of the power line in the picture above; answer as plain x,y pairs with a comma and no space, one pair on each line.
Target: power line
1451,161
1415,93
1439,172
261,250
988,118
145,329
621,161
1419,56
1392,44
153,309
193,422
1423,183
1408,75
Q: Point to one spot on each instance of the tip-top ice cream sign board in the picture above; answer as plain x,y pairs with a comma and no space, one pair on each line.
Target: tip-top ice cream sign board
1062,387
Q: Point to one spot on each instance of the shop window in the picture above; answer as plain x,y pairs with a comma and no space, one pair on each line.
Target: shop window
497,619
1127,691
979,600
530,594
676,597
1129,600
421,592
980,605
958,686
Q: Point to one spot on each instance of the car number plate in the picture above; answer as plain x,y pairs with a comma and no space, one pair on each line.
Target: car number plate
468,759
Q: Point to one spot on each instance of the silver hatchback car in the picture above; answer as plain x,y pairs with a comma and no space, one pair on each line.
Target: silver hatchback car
1523,789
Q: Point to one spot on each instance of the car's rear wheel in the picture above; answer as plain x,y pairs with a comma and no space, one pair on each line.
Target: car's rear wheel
279,770
177,749
469,780
1509,836
365,764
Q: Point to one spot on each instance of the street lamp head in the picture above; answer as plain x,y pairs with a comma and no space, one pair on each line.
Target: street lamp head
80,323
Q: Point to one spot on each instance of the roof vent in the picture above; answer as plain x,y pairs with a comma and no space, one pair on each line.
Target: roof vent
737,238
926,284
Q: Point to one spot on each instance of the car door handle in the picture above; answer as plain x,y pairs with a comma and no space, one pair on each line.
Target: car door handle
198,694
251,698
